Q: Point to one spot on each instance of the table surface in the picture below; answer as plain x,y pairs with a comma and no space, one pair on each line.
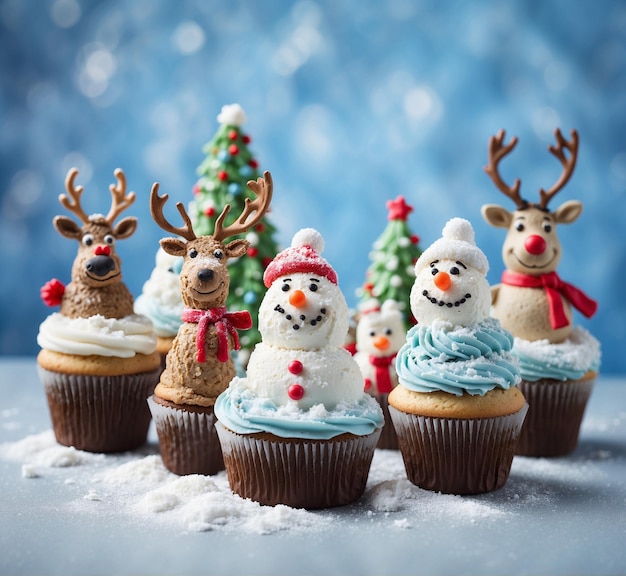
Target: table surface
554,516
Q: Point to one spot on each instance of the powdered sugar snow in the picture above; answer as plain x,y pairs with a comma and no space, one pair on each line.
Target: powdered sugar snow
137,484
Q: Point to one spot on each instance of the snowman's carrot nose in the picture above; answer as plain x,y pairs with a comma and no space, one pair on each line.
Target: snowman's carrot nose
297,298
442,280
381,342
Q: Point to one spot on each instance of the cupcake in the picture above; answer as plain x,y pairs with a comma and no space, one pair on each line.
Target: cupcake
456,410
299,429
160,300
199,365
98,361
380,333
559,362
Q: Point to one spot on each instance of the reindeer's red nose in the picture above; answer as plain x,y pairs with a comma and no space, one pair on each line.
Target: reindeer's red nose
102,250
535,245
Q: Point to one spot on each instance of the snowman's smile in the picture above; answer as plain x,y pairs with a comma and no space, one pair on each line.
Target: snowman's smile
437,302
299,320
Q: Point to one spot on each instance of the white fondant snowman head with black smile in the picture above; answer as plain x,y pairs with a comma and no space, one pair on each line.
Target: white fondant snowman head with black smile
450,279
303,307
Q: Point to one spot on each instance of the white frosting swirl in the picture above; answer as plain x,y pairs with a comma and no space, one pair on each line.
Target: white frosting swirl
97,335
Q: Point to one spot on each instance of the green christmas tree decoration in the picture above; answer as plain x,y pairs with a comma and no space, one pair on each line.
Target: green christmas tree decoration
224,173
391,273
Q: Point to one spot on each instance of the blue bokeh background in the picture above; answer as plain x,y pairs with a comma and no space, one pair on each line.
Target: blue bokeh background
349,103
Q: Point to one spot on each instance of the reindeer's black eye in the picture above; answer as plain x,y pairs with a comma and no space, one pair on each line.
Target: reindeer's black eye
454,270
218,254
519,227
285,287
88,239
313,287
109,239
193,253
547,227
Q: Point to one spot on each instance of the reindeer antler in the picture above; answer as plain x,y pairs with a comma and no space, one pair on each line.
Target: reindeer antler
121,200
263,188
156,209
497,151
75,193
568,165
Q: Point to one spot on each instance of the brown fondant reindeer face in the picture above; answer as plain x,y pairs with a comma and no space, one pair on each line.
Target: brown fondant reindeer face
532,302
97,263
204,278
96,286
531,245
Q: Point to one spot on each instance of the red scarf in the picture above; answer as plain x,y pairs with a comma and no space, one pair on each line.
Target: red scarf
554,287
225,323
383,380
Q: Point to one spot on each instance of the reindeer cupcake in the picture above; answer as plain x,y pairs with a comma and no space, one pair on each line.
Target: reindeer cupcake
98,360
199,365
558,360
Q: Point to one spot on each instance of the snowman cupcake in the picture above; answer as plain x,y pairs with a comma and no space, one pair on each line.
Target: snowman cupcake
299,429
457,410
161,301
380,333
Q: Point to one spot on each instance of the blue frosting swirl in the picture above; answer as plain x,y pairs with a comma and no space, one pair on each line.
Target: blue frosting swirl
568,360
165,319
245,413
472,360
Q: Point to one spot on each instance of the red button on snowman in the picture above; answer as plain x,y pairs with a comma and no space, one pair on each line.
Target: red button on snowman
303,321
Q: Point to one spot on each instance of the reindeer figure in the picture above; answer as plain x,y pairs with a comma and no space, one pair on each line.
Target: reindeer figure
96,286
532,302
199,366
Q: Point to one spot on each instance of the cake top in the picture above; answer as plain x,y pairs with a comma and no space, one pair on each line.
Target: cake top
96,286
303,307
450,279
531,250
380,330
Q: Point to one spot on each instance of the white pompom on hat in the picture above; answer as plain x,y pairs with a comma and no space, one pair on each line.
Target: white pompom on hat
302,256
456,243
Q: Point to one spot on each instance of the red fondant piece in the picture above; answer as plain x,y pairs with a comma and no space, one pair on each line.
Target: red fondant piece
295,367
295,392
52,292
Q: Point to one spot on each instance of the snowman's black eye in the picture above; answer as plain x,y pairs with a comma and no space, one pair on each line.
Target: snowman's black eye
388,332
372,333
285,287
454,270
313,287
434,271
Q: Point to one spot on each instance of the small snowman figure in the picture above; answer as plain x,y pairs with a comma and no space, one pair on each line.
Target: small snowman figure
379,335
450,287
303,320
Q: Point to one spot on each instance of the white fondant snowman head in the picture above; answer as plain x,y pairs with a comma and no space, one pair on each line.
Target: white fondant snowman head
380,331
163,286
303,307
450,279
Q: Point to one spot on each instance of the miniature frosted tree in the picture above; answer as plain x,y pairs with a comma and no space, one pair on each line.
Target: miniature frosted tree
228,166
391,273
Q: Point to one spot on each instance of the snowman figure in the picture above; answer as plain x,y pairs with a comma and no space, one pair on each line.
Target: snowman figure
379,336
450,287
303,320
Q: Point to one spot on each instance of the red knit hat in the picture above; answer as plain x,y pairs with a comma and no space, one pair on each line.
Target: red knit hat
302,256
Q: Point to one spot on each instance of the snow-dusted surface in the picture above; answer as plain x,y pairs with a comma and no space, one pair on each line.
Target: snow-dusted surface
67,511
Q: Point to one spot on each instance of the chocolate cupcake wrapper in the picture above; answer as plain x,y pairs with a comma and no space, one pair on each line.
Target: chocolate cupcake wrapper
99,413
458,456
554,417
388,438
300,473
187,438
